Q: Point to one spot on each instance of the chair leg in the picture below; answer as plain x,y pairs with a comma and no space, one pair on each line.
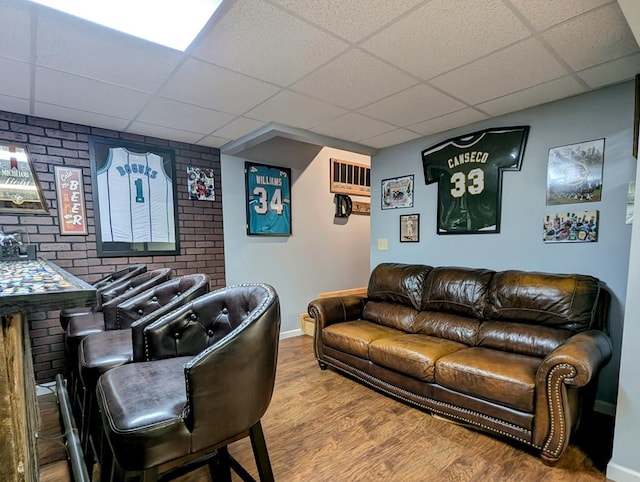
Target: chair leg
220,467
265,473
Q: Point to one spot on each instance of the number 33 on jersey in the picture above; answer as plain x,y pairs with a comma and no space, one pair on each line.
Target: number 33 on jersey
268,199
468,170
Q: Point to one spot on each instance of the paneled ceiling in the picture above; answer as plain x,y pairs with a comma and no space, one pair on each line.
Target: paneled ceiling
371,72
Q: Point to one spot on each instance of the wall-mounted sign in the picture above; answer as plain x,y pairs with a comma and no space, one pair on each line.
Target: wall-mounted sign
346,177
19,188
70,192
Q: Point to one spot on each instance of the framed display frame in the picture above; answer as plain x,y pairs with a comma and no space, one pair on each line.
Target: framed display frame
70,194
409,228
574,173
571,227
20,190
268,199
134,193
352,178
397,192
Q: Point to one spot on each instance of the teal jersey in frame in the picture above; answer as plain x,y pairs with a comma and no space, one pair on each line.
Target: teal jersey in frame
268,199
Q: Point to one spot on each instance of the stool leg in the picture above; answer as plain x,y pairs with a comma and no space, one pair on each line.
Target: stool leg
265,473
220,467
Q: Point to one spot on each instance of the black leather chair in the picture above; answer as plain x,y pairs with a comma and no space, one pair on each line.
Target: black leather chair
208,383
103,351
102,286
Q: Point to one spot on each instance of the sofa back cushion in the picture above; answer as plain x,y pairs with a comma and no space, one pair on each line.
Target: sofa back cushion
566,301
461,291
462,329
389,314
398,283
525,339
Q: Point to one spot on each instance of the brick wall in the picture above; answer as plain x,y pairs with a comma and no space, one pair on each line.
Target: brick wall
52,143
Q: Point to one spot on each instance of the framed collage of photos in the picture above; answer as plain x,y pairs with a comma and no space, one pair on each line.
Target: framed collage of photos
268,199
571,227
134,193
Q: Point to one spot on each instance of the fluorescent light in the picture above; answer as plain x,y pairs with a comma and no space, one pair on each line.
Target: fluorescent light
171,23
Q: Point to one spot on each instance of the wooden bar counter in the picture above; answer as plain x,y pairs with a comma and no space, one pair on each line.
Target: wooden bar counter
27,286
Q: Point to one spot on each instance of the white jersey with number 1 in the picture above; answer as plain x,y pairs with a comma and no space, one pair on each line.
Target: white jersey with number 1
136,198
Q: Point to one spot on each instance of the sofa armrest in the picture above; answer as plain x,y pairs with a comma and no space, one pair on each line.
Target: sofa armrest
328,311
572,365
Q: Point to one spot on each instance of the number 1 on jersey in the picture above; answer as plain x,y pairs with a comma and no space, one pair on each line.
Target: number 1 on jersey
139,193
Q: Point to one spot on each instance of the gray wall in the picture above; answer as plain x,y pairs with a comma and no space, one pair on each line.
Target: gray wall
323,254
607,113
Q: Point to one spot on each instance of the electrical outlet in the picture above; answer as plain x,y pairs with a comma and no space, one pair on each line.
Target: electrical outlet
383,244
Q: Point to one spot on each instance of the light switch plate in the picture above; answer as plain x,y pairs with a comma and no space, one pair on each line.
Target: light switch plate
383,244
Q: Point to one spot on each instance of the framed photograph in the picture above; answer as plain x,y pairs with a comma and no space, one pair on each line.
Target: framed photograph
409,228
200,184
397,192
571,227
70,194
346,177
268,195
574,173
20,190
134,194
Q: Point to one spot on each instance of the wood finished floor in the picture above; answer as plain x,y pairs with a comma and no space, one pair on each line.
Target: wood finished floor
322,426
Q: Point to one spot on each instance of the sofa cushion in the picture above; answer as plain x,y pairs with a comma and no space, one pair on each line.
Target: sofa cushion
413,355
354,337
497,376
398,283
390,314
564,301
461,291
532,340
448,326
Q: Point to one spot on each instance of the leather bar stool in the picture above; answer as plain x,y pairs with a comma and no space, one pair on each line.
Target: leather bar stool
102,286
208,383
103,351
94,322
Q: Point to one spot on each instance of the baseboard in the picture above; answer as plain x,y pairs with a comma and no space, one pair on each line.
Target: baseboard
605,407
621,474
291,333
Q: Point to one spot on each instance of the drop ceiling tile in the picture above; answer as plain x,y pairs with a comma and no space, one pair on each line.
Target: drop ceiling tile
353,80
353,19
208,85
14,104
543,14
540,94
16,78
353,127
72,45
295,110
15,34
185,117
76,116
213,141
161,132
263,41
390,138
444,34
611,72
418,103
593,38
502,73
449,121
81,93
238,128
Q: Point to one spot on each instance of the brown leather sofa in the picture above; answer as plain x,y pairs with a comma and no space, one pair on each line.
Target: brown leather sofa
513,353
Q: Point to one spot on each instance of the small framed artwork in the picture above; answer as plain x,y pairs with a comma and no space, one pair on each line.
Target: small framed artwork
409,228
268,197
134,192
70,193
571,227
200,184
397,192
574,173
20,191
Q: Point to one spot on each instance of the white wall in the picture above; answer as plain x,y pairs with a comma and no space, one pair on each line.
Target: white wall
607,113
321,255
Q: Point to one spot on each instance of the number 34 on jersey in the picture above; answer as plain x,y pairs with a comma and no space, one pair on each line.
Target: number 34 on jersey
268,199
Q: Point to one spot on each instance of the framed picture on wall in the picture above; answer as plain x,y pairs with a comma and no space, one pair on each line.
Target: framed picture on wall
397,192
409,228
70,194
571,227
134,192
20,190
268,198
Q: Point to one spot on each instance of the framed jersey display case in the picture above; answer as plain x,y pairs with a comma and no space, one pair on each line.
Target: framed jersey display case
268,197
468,170
134,193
